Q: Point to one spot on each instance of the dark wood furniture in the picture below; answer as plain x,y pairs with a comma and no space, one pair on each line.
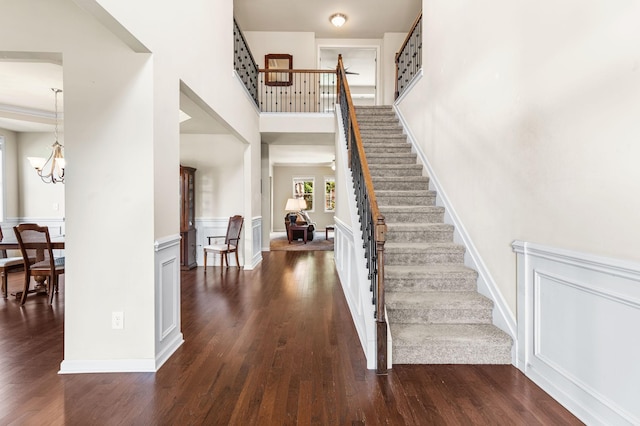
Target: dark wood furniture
188,217
7,265
326,231
292,228
301,219
35,242
230,245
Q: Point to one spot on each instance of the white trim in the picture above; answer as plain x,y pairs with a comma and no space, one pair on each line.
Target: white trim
503,318
166,242
147,365
168,350
246,92
616,267
416,78
256,258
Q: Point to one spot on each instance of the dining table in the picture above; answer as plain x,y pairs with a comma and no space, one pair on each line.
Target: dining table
57,243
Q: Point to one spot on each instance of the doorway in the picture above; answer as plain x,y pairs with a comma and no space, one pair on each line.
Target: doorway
361,65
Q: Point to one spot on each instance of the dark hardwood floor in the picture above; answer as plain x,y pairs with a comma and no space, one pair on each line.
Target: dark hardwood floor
273,346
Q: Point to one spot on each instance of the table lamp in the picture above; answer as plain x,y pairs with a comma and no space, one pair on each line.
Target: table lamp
294,205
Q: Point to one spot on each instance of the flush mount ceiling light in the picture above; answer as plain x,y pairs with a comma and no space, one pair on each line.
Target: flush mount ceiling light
338,19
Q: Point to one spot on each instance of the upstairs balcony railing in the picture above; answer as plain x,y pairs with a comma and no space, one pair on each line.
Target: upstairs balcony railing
283,90
409,57
301,91
244,64
372,222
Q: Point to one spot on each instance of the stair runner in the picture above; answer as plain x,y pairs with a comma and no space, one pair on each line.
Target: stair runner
434,311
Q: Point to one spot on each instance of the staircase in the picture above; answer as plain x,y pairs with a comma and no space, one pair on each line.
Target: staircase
435,314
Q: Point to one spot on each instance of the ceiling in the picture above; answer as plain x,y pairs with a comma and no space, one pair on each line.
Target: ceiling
365,18
27,101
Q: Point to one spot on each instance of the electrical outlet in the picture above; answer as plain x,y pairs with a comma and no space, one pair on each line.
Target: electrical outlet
117,320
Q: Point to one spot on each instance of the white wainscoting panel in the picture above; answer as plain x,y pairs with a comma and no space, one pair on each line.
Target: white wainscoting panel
578,339
256,253
350,265
167,283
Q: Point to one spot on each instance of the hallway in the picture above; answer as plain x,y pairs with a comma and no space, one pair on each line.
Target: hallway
271,346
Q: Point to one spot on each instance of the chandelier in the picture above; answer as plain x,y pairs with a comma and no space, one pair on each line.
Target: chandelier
51,170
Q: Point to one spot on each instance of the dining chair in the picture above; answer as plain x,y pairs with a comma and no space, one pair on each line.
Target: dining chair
8,264
230,245
34,242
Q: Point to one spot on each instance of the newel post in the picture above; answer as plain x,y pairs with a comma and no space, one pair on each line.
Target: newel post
381,321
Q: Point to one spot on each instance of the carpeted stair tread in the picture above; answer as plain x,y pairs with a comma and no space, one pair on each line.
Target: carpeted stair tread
405,148
366,119
378,170
411,209
398,182
450,344
437,300
430,278
412,214
402,247
430,271
416,227
418,232
391,155
438,307
374,139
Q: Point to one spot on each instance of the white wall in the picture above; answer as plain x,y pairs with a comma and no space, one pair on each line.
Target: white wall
391,43
219,178
301,45
528,114
201,38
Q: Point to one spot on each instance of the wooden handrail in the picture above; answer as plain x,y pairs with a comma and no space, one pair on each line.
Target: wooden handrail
356,129
378,220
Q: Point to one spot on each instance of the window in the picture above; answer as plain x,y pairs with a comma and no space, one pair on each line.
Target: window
329,194
303,187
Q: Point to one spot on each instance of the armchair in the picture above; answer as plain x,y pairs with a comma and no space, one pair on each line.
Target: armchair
302,218
230,245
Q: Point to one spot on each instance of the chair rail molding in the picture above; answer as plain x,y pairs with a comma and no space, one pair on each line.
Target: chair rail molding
577,330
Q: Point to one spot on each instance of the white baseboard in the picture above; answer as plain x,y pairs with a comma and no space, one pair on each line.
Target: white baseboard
108,366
